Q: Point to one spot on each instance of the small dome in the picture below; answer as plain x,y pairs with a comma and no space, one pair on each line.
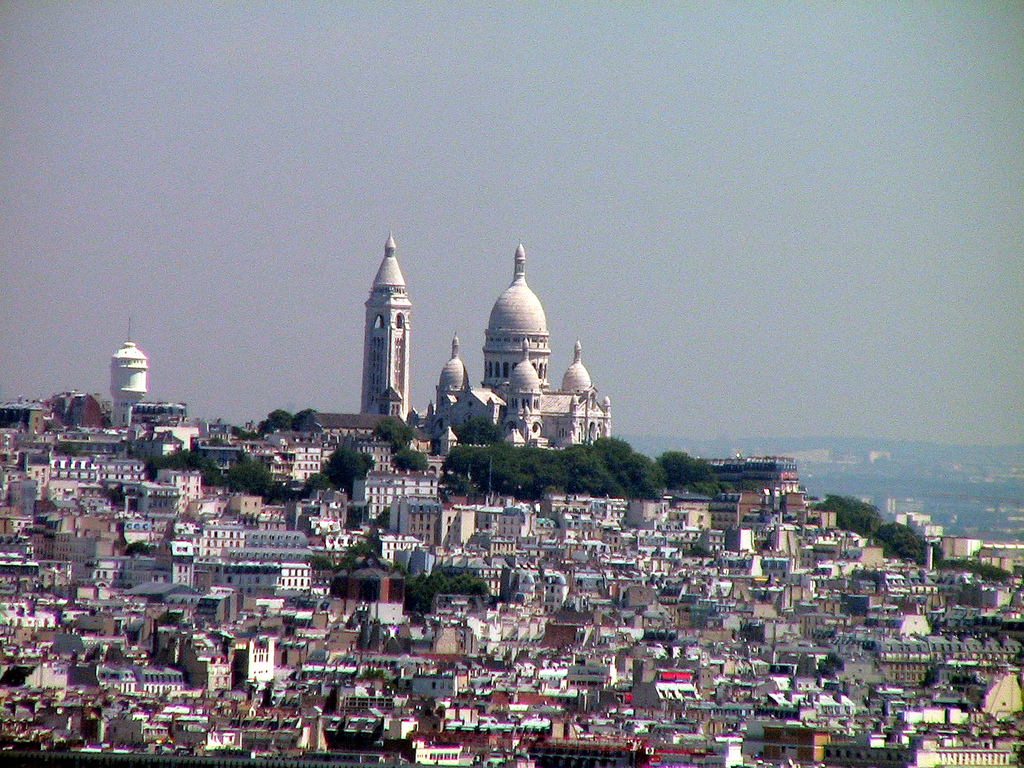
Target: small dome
518,308
577,377
453,375
524,376
389,273
129,351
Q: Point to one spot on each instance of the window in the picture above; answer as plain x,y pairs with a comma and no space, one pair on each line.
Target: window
400,320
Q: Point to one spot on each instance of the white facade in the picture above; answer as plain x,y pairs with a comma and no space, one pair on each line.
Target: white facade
391,543
386,341
188,483
220,539
97,469
255,658
129,369
379,489
516,393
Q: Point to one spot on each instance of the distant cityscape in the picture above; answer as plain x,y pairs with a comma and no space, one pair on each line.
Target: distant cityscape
494,579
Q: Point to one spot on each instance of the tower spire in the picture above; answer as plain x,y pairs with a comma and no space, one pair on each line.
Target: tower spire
386,340
519,273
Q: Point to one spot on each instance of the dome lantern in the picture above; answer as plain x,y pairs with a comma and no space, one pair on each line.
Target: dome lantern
577,377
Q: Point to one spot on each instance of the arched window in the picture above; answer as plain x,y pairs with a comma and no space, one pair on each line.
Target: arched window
399,320
378,321
504,368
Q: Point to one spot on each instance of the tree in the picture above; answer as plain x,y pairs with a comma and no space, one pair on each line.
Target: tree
636,475
318,481
420,590
831,664
982,570
138,548
249,476
478,430
899,541
299,418
190,461
394,431
852,514
346,466
862,518
685,472
321,562
409,460
115,494
607,467
357,552
275,422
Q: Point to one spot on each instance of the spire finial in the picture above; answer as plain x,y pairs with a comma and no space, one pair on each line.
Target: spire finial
389,246
577,352
129,328
526,349
455,346
520,268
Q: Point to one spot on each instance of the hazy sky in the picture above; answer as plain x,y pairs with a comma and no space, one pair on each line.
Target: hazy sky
759,219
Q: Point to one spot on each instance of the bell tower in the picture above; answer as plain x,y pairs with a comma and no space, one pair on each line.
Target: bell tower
386,341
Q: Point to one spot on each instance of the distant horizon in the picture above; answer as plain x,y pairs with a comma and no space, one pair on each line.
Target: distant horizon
782,439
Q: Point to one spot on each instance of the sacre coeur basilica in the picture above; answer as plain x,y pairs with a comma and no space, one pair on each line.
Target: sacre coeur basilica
515,391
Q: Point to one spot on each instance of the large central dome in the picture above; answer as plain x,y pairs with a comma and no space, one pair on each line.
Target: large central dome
518,308
517,320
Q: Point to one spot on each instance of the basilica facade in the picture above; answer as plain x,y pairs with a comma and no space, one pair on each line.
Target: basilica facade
515,391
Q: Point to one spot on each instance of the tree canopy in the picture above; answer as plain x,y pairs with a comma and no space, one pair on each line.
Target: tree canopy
249,476
346,466
276,421
852,514
982,570
478,430
409,460
187,461
860,517
280,419
420,590
394,431
606,467
684,472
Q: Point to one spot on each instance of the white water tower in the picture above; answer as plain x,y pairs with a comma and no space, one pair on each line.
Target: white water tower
128,372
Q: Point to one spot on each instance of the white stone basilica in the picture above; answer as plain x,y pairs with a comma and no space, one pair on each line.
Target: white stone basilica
514,393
